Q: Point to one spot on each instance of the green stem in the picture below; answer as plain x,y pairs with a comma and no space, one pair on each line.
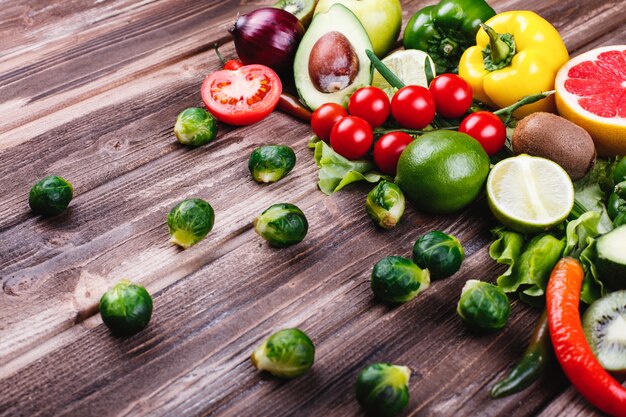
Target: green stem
532,364
449,48
391,78
500,50
381,131
508,111
219,55
578,210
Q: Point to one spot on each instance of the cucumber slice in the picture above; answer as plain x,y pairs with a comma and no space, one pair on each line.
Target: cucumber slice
611,259
604,324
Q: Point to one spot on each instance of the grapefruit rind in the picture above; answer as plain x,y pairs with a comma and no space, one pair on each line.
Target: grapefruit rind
608,129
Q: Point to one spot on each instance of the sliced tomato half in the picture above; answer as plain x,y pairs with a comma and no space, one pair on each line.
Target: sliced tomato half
242,97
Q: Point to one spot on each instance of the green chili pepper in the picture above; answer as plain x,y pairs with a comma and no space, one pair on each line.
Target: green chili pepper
616,206
531,365
446,30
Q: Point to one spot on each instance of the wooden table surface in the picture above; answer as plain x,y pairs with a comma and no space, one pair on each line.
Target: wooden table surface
89,90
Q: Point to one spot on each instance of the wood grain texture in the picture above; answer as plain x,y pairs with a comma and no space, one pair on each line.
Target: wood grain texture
89,91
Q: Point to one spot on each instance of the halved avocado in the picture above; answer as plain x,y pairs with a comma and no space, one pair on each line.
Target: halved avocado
331,63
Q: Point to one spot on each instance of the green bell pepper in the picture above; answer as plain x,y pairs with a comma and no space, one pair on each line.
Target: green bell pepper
446,30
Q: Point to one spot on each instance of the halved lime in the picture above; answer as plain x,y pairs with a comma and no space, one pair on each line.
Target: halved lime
529,194
408,65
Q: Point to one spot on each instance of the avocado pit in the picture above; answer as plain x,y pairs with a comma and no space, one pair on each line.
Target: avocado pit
333,63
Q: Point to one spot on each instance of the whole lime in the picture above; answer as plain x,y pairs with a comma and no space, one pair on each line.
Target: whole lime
442,171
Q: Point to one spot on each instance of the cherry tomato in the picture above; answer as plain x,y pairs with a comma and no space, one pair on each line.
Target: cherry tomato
452,94
413,107
388,149
324,118
232,65
370,104
351,137
243,96
486,128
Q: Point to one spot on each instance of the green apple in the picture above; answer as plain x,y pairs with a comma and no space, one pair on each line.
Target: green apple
382,20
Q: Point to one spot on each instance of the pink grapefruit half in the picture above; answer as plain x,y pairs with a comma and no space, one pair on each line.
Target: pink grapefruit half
591,92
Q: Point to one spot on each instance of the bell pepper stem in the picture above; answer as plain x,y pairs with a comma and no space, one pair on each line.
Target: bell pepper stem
500,50
449,48
532,364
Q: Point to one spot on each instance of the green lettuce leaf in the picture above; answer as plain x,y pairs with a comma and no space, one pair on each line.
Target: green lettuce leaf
336,171
529,266
506,250
580,242
537,262
312,142
592,191
578,231
592,288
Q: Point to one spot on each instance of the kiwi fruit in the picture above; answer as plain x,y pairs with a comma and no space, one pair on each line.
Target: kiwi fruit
604,324
302,9
553,137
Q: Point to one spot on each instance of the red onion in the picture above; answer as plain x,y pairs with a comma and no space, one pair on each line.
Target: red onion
269,37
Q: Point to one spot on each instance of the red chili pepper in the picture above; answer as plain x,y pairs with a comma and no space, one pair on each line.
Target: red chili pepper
293,107
570,346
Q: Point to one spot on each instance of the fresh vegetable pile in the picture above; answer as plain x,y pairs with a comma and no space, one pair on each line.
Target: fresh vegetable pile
485,125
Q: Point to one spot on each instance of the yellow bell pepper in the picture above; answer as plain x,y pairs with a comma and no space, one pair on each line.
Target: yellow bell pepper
517,53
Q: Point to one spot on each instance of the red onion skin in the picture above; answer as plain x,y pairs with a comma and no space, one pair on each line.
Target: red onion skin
269,37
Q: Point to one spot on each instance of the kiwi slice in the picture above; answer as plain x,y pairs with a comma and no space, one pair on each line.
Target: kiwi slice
302,9
604,324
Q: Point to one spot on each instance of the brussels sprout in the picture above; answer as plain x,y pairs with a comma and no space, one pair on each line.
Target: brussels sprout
382,389
287,353
385,204
50,196
271,163
438,252
190,221
282,225
195,127
396,279
483,306
126,308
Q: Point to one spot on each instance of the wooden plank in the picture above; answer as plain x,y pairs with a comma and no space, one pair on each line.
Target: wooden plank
226,327
34,25
120,114
140,204
128,45
193,358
